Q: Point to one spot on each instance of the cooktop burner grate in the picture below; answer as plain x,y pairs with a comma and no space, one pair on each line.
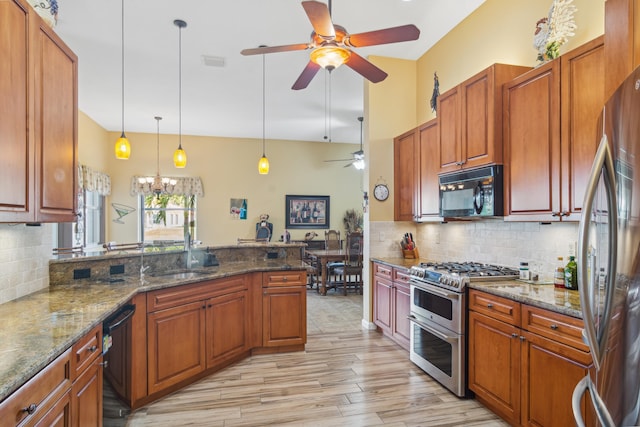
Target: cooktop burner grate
472,269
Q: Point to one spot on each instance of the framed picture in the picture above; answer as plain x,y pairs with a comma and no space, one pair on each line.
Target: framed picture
307,212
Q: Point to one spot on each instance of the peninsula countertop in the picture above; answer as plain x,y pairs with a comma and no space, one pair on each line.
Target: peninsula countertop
39,327
538,294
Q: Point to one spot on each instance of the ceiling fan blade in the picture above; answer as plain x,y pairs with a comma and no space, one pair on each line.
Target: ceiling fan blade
307,75
320,18
274,49
348,164
389,35
365,68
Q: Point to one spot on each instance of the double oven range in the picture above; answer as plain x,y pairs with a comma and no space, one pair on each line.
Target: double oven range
439,317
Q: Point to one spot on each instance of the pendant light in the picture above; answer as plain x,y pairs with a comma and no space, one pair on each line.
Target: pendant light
180,156
157,185
123,148
359,156
263,164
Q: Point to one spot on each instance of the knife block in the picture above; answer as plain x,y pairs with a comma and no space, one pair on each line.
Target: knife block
411,254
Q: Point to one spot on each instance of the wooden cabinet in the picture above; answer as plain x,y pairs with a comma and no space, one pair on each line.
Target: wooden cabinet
45,399
427,189
194,327
404,170
550,134
39,135
470,119
524,362
392,302
284,309
86,372
622,37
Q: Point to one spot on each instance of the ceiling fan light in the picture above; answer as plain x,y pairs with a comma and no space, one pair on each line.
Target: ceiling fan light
263,165
123,148
179,157
330,57
359,164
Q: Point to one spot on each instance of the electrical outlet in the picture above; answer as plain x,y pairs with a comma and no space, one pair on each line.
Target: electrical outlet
382,236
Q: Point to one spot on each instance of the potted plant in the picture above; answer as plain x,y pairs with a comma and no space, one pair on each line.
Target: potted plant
353,221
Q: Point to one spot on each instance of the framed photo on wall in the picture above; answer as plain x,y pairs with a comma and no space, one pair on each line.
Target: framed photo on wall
307,212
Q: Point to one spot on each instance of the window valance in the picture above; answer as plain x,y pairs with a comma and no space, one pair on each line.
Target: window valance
187,186
91,180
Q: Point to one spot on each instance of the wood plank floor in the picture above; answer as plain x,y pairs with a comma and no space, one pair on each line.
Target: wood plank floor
347,376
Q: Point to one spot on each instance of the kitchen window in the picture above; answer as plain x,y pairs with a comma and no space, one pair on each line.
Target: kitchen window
167,217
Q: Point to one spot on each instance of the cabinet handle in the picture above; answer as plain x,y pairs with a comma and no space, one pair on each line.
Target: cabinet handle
514,335
566,213
104,364
284,279
555,214
204,306
554,326
30,409
210,305
92,348
522,338
489,305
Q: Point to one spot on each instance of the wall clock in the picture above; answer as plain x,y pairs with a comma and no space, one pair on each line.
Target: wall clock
381,192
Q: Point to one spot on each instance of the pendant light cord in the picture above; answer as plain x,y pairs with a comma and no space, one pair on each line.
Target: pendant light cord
158,118
180,88
122,67
263,105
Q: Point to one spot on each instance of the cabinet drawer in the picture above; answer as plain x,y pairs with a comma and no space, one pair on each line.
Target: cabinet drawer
40,393
494,306
382,270
401,275
184,294
555,326
281,278
86,350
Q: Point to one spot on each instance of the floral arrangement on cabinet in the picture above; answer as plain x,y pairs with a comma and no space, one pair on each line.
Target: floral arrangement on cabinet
47,9
554,30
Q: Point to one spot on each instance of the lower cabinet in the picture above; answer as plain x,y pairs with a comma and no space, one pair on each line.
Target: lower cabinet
284,309
194,327
392,302
67,392
524,362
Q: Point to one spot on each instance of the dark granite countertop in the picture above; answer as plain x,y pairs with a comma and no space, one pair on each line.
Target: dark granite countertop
38,327
537,294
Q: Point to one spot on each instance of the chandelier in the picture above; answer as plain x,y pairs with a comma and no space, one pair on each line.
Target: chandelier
157,185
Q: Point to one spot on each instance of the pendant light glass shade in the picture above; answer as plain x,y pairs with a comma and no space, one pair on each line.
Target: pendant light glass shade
122,148
263,163
180,156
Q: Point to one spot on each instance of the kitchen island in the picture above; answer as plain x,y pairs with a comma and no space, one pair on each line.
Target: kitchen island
41,326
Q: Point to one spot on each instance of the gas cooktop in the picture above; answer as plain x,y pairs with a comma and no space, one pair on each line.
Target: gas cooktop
456,275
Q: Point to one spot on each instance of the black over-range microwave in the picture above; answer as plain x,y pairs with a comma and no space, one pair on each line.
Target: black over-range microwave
472,193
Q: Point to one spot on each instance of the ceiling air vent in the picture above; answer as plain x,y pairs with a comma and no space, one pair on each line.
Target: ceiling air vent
213,61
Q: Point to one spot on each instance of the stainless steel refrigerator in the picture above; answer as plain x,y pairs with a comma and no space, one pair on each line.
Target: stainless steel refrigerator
609,266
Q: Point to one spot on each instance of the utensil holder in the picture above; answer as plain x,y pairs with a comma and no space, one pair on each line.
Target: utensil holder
411,253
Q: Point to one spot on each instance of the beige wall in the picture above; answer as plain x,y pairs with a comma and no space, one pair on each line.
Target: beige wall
228,169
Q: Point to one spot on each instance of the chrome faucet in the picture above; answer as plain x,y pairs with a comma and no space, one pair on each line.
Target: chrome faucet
188,243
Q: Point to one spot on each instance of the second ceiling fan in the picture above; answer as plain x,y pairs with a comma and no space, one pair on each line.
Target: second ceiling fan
332,45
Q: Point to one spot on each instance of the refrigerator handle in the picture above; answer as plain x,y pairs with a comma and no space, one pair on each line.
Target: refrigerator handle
599,406
576,399
603,162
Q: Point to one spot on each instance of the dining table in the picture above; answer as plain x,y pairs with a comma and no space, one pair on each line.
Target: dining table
324,257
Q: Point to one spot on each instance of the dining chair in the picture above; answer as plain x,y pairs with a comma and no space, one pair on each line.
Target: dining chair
352,264
331,239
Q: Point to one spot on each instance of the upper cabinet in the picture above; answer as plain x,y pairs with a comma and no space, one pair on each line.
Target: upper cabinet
404,170
550,135
470,119
38,133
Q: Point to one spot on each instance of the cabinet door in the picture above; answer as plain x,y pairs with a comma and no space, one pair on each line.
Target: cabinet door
56,100
402,308
550,372
284,312
449,130
16,85
226,327
427,169
175,345
404,149
582,100
494,365
532,144
382,300
58,416
477,140
86,396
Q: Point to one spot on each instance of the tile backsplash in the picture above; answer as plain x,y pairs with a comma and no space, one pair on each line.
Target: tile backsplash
24,259
490,241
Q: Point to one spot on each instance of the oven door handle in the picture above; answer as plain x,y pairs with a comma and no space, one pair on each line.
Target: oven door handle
429,329
437,291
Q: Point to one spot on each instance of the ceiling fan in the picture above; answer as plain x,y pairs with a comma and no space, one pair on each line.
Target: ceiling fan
358,156
331,45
